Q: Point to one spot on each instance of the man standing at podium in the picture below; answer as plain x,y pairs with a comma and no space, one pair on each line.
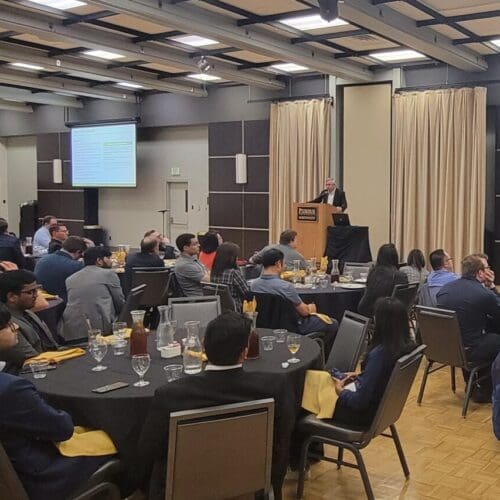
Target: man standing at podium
332,195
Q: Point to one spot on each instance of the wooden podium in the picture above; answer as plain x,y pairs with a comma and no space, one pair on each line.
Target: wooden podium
310,220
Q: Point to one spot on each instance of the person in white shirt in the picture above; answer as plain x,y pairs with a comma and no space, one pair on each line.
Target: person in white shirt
332,195
41,239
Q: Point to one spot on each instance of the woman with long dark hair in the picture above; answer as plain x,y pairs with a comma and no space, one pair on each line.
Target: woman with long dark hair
225,270
391,340
381,279
415,267
209,242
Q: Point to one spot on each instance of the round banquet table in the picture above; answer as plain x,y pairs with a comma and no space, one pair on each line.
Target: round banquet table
332,300
121,413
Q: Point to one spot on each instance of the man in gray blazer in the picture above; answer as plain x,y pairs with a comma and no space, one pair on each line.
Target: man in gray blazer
18,291
94,294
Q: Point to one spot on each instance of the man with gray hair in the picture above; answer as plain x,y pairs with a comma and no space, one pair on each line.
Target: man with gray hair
332,195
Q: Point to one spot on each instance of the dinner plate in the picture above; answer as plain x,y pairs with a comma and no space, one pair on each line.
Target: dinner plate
352,286
360,280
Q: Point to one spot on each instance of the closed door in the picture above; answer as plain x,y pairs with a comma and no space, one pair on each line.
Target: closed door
177,203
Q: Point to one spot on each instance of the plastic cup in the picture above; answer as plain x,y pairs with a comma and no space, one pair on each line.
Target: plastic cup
323,282
280,335
119,347
173,372
268,343
39,369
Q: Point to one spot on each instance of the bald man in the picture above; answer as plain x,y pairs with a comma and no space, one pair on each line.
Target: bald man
332,195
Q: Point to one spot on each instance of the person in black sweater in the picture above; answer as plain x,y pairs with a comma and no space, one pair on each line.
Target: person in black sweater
381,279
391,340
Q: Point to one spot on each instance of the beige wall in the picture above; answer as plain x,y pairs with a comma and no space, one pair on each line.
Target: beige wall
367,159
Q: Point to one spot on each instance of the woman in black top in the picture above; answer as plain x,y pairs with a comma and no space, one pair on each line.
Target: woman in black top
381,279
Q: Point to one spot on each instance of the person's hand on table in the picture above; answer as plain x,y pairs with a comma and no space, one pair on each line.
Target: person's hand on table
8,266
312,308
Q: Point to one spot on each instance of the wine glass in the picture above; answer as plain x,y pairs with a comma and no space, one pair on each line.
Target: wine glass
140,365
293,343
98,349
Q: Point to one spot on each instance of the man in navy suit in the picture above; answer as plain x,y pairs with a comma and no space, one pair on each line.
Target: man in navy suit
28,429
10,248
332,195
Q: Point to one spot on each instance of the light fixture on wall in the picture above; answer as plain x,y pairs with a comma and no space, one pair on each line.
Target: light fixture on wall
241,168
57,177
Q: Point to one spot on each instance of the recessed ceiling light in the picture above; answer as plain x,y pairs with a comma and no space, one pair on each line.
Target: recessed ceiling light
194,40
397,55
496,42
103,54
204,77
60,4
313,22
130,85
27,66
289,67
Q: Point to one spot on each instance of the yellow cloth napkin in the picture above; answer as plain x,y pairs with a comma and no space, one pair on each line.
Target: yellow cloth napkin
56,356
196,354
109,339
319,396
323,317
47,296
87,443
323,264
249,305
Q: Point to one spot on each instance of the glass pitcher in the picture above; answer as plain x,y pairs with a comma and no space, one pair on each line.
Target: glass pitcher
253,341
165,331
138,336
335,273
296,271
193,352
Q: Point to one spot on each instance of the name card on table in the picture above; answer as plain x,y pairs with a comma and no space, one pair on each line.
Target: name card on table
307,214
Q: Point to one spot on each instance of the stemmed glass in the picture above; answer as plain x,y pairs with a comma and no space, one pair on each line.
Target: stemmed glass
140,365
98,349
293,343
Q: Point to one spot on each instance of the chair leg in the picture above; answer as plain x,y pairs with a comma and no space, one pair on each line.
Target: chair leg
399,448
340,457
364,474
424,381
302,467
453,381
468,392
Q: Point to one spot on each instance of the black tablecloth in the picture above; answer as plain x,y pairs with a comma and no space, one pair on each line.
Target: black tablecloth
348,244
332,300
52,314
121,413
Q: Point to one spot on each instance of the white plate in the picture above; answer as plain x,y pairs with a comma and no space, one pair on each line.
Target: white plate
352,286
360,280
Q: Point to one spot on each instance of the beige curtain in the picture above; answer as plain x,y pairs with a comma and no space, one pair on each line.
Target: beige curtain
439,165
299,157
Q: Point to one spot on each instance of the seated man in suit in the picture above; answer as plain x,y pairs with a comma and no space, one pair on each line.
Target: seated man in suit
18,291
28,429
52,269
332,195
10,248
223,382
147,257
94,294
59,234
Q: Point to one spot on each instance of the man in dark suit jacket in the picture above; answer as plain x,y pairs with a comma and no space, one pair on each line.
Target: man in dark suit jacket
332,195
52,269
10,249
223,382
18,291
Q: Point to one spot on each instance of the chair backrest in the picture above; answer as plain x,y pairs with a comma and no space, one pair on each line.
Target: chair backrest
201,465
156,281
202,309
10,486
440,331
348,343
131,304
406,293
275,311
425,296
251,271
396,392
356,268
226,301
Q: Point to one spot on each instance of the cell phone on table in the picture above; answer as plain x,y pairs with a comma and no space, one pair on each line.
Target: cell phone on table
26,369
337,374
110,387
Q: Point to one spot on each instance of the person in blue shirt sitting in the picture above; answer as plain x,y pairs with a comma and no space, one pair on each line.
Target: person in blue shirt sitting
358,403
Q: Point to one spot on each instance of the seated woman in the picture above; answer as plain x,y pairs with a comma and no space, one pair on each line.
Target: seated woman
209,243
381,279
225,270
391,340
415,269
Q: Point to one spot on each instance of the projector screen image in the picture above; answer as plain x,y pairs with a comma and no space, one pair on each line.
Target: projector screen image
104,155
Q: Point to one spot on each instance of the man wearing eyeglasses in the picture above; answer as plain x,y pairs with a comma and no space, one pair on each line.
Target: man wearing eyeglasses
58,234
18,291
474,298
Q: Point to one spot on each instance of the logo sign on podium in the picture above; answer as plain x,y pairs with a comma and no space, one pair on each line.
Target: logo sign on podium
307,214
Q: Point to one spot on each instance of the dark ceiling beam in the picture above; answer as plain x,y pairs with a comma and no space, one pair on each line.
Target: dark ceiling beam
458,19
250,65
7,34
165,75
255,19
125,64
330,36
66,52
157,37
476,39
115,27
229,7
74,19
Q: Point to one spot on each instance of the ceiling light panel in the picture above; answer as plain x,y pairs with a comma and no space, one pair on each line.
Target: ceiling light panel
397,55
103,54
130,85
289,67
496,42
313,22
194,40
60,4
204,77
22,65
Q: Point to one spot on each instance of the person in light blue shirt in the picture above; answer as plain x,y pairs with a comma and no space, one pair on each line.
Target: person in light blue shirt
41,239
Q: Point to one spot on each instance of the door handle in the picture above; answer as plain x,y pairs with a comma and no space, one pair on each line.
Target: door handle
186,200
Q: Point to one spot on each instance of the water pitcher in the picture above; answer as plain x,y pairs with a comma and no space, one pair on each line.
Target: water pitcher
192,356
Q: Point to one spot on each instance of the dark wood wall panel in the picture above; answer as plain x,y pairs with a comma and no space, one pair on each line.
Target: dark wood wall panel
255,241
225,139
226,210
222,175
256,211
257,137
233,235
257,174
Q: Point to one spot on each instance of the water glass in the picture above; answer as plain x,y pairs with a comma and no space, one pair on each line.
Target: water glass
323,282
173,372
39,369
280,335
293,343
140,365
363,276
98,349
94,335
268,343
119,329
119,347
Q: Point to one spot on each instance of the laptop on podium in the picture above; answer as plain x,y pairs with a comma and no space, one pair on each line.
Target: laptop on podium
341,220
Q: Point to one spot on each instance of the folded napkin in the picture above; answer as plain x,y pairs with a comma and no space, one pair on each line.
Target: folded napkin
249,305
54,357
87,443
323,317
47,296
110,339
196,354
319,396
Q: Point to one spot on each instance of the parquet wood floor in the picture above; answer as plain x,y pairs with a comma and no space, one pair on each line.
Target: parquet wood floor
449,457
